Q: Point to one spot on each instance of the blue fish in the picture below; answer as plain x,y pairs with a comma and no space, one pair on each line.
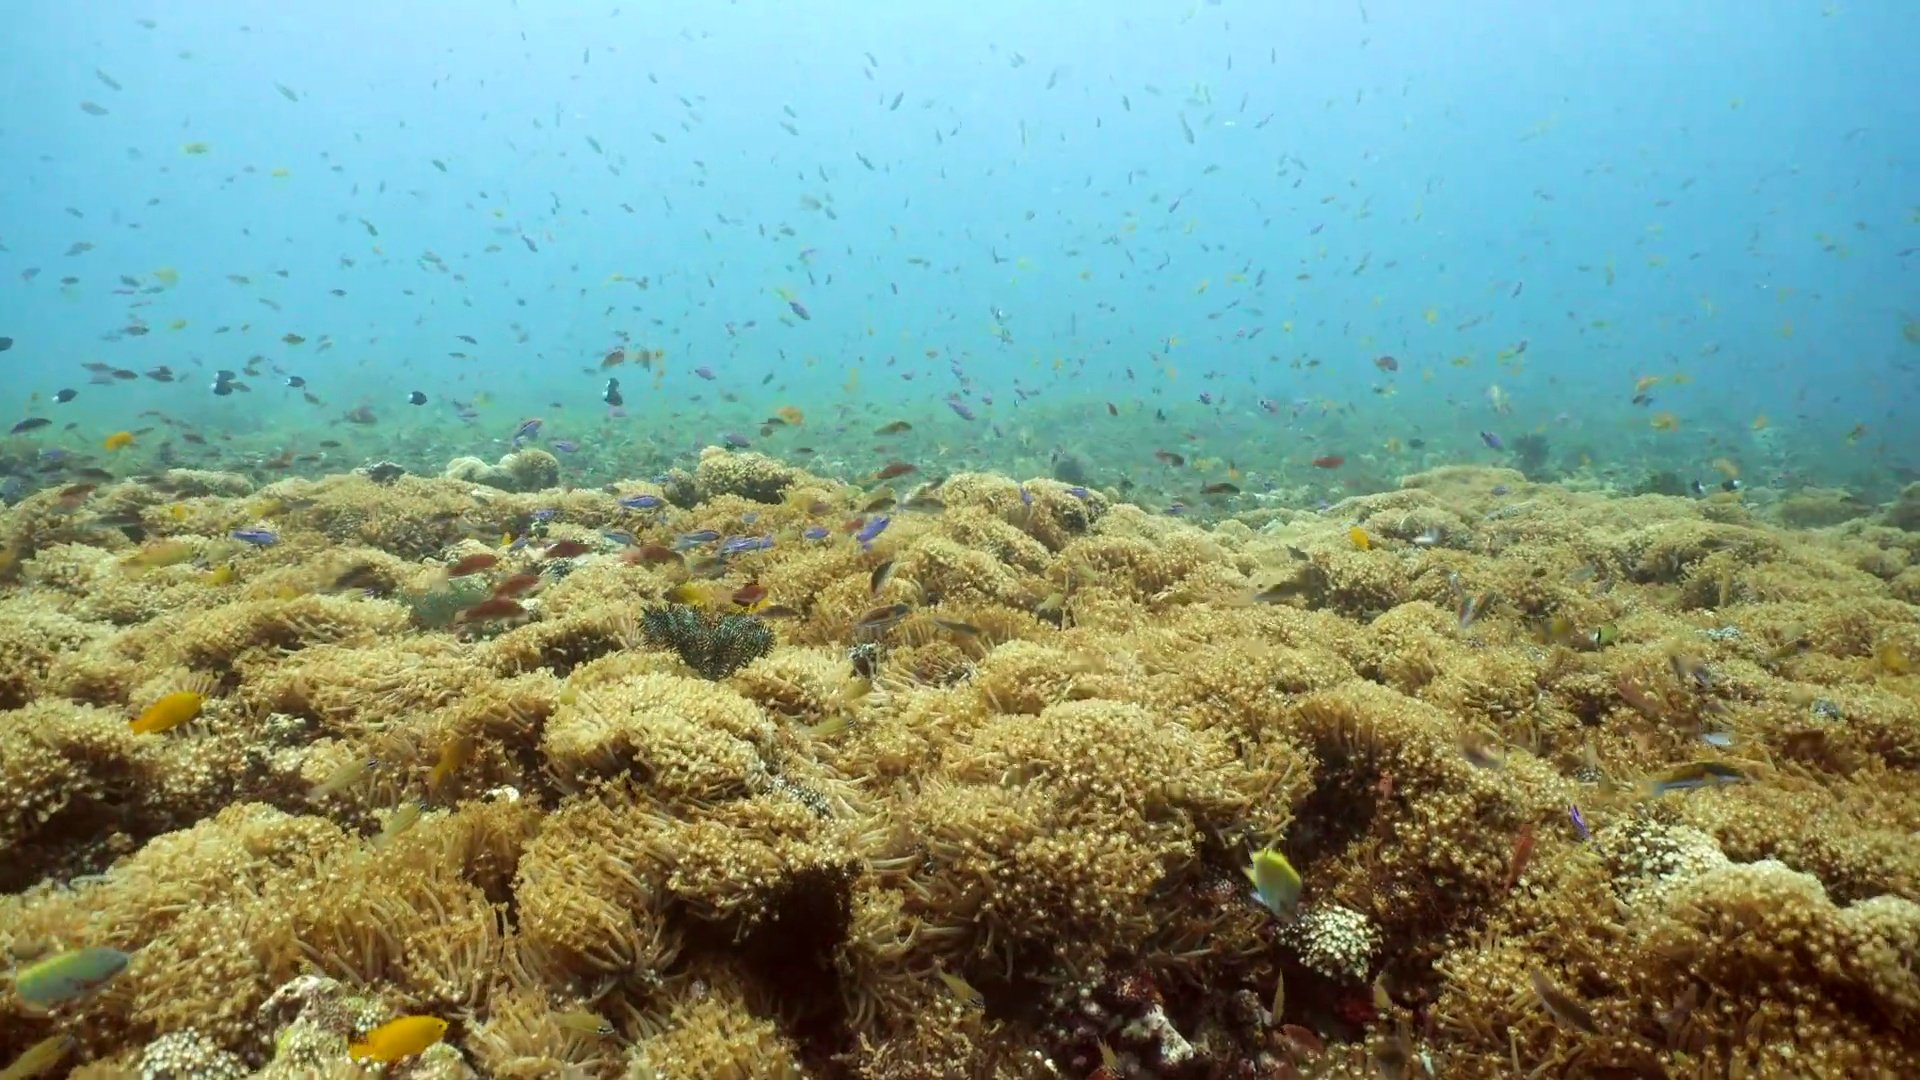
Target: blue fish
619,536
1078,492
1579,822
544,515
815,532
695,539
642,502
871,530
1493,441
256,537
740,545
528,428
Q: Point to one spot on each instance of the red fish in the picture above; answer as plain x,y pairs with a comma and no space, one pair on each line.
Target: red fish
499,607
1331,461
473,564
565,549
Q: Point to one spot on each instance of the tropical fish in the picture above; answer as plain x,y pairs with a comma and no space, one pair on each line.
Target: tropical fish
168,711
1275,882
397,1039
68,975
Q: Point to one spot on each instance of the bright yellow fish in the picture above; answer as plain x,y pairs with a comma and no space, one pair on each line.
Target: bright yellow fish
397,1039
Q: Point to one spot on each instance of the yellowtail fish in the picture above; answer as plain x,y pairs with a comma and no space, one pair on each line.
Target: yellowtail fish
69,975
1275,882
404,817
397,1039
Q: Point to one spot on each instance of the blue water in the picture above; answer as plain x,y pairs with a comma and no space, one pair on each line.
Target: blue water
1707,190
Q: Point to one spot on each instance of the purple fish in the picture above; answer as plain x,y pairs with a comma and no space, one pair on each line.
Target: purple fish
1078,492
642,502
704,372
872,530
1493,441
800,309
960,409
529,428
256,537
1579,822
814,532
736,440
565,446
695,539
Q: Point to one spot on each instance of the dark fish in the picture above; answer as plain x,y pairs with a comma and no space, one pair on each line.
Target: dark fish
416,398
612,393
64,396
29,424
5,343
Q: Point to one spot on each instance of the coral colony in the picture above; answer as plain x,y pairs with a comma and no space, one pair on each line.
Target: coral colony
711,777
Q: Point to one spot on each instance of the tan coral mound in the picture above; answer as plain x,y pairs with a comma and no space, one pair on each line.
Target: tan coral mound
1575,785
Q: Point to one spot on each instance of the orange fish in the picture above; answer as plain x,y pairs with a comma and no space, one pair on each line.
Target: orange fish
1331,461
896,468
565,549
749,595
119,440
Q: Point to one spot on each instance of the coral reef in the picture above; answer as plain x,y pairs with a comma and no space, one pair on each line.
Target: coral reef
1575,784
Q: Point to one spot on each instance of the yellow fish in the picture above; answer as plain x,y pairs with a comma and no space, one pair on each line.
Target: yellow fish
1361,541
1275,882
119,440
397,1039
169,712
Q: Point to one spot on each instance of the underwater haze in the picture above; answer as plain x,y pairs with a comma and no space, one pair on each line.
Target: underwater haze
1250,235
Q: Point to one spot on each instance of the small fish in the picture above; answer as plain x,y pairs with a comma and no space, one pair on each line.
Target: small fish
454,753
119,440
1562,1007
1276,883
611,395
582,1022
749,596
1221,488
894,428
872,530
1330,461
473,564
515,586
256,537
342,778
1494,442
642,501
69,975
880,618
1693,775
38,1059
498,607
404,817
31,423
880,576
565,549
963,990
167,712
396,1039
1579,823
1361,541
896,468
415,397
653,555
